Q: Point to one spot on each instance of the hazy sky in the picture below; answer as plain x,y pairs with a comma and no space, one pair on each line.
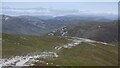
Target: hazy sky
103,7
59,0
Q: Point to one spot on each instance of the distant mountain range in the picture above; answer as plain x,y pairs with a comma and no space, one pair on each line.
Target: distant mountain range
99,31
87,26
28,25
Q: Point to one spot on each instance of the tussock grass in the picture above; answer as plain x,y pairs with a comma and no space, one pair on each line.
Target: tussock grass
14,45
86,55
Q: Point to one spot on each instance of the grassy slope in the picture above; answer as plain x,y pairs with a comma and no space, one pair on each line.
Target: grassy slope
23,44
82,55
99,31
86,55
0,46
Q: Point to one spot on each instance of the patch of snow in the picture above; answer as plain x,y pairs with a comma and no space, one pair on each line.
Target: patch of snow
57,47
64,33
6,18
92,44
47,63
51,34
90,41
25,60
74,42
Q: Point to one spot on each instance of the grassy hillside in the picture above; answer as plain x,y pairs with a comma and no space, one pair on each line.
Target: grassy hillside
99,31
85,55
24,44
0,45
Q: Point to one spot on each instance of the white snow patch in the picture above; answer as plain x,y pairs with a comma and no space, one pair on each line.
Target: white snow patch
90,41
6,18
51,34
69,45
64,33
25,60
